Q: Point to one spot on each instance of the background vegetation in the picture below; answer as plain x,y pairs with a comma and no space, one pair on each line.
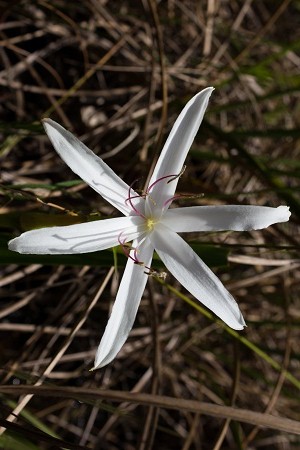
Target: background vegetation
117,74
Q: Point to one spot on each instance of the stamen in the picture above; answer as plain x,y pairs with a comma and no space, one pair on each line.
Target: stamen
179,175
131,197
151,272
182,196
150,198
123,244
136,256
127,248
154,273
171,199
172,178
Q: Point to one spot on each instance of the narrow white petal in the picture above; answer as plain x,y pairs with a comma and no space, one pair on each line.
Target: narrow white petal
125,307
175,150
82,161
195,276
79,238
226,217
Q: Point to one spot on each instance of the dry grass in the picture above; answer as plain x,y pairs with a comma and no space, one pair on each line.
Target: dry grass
117,74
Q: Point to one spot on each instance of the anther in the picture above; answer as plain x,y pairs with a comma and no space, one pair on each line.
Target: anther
179,175
154,273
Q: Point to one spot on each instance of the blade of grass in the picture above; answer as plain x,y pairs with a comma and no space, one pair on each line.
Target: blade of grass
262,354
161,401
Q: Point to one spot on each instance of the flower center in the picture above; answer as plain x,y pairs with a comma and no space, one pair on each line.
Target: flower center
150,224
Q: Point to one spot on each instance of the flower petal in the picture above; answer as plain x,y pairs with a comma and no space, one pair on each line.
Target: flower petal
226,217
79,238
195,276
95,172
177,146
125,307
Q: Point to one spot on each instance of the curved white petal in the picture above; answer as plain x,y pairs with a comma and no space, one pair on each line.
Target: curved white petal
79,238
125,307
226,217
195,276
82,161
174,152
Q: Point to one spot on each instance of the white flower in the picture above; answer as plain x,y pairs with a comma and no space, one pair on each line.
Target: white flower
150,224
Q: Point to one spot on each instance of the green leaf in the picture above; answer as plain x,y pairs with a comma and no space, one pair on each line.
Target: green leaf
12,441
